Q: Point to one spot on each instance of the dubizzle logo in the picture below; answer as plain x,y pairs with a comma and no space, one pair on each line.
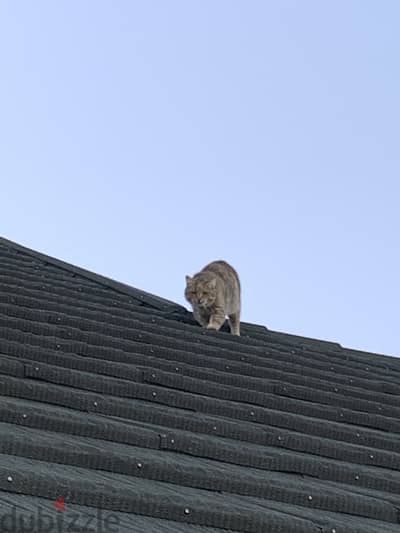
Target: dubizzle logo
59,504
58,520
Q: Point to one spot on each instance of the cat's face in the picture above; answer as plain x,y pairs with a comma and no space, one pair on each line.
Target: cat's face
200,292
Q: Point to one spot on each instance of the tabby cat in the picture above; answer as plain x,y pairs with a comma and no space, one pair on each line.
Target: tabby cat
214,294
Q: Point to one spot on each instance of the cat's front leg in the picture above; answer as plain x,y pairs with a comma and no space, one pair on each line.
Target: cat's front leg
217,319
201,317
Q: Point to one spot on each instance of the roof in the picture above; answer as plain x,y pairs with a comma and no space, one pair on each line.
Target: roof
114,404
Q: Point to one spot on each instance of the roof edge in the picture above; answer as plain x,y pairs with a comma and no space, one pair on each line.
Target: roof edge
156,302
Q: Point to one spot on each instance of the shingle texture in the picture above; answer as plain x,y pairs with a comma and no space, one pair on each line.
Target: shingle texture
114,401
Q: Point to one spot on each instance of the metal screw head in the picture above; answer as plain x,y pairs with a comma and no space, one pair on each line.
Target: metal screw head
154,394
24,415
357,477
279,438
310,498
371,456
252,413
172,441
139,465
187,511
9,478
95,404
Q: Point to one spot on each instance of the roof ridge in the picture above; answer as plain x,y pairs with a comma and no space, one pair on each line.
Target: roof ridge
151,300
178,312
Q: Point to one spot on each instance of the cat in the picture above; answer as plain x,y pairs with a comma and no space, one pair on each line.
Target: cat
214,293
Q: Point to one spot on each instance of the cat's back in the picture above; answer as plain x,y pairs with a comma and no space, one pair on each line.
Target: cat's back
224,271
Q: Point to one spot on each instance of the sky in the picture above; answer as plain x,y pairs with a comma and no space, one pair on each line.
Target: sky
143,139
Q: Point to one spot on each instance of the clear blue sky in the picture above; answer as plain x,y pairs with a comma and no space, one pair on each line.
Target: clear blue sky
142,139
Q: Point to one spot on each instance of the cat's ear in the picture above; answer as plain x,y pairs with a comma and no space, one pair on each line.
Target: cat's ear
188,279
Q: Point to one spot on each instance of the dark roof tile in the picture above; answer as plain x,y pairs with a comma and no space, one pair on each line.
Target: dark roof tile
117,402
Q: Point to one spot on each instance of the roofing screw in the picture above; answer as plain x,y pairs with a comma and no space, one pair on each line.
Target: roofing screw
357,477
252,413
187,511
341,414
177,369
332,368
95,404
154,394
336,389
172,441
9,478
227,367
139,465
36,368
153,375
24,415
279,438
333,531
357,434
310,498
371,456
367,368
215,428
58,346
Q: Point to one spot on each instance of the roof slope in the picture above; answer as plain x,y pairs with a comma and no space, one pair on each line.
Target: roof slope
116,402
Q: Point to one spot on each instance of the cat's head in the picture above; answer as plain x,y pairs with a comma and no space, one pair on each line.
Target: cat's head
201,290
